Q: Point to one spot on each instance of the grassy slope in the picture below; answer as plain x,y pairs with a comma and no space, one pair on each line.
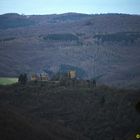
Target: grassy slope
8,80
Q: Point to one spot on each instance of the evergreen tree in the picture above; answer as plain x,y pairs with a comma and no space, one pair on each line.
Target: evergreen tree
22,79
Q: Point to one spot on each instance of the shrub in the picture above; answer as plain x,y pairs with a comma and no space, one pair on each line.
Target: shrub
137,106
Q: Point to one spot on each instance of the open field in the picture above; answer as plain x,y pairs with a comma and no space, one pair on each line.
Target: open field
8,80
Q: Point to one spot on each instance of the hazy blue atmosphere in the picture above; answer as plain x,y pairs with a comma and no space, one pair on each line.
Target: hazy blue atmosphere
62,6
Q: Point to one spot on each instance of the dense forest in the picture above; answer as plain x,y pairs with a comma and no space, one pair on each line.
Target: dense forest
48,110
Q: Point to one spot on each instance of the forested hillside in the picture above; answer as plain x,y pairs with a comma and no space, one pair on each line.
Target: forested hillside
106,44
45,110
